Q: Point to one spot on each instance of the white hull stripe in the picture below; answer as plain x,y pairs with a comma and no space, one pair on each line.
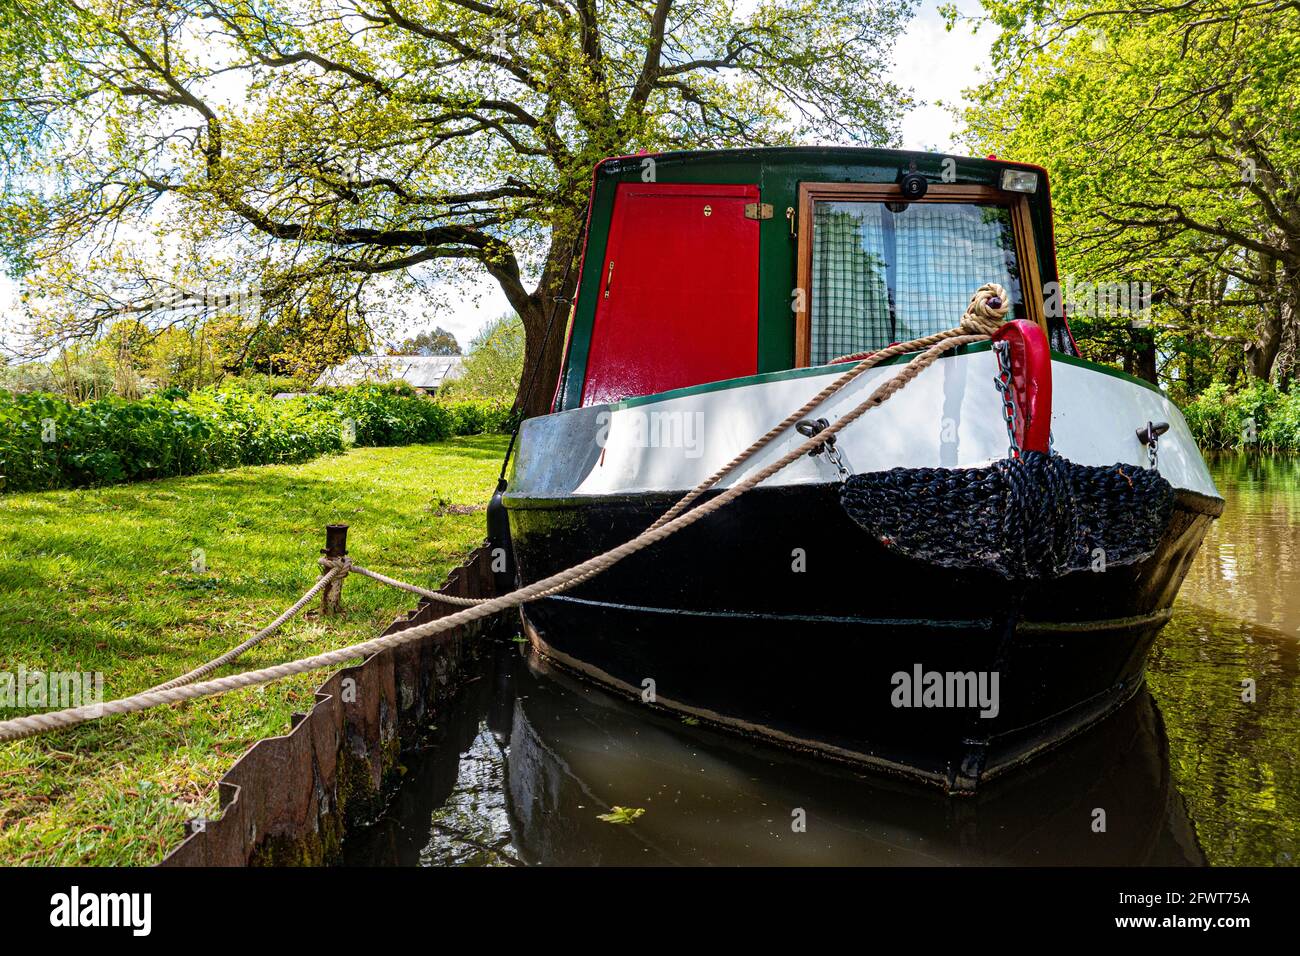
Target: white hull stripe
950,417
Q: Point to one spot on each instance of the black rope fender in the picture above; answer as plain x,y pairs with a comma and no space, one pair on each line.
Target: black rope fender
1034,517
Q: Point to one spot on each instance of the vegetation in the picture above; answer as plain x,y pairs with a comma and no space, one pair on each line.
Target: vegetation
341,155
1259,417
118,791
1171,138
32,34
48,442
436,342
622,815
495,364
131,359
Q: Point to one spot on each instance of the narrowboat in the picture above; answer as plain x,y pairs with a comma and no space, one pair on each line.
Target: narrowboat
967,575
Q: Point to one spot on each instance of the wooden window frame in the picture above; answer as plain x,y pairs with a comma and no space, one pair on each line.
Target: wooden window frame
1022,228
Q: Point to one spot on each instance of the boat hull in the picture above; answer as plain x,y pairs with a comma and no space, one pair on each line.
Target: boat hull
778,617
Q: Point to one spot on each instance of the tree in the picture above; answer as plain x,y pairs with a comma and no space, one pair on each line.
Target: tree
399,144
32,38
1170,132
437,342
495,362
307,337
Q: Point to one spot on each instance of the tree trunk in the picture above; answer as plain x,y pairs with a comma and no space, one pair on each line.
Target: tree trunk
1284,365
547,308
1262,353
1232,375
541,371
1141,357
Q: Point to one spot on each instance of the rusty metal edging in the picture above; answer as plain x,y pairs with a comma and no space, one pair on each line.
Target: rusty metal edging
288,800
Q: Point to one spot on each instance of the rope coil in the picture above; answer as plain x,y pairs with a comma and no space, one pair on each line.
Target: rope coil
985,312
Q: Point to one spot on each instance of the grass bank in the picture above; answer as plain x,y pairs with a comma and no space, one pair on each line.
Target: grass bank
101,580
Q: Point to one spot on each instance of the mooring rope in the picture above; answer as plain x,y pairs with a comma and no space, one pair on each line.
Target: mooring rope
413,588
986,311
205,669
333,568
987,308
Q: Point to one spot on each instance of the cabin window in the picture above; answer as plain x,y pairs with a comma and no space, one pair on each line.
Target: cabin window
891,272
878,270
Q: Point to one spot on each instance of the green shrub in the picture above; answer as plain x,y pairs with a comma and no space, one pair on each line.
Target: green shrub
1257,416
47,442
472,417
268,384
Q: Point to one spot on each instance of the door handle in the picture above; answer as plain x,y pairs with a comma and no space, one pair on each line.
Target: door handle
609,278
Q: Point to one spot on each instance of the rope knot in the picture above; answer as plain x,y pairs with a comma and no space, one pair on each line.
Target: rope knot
343,565
987,309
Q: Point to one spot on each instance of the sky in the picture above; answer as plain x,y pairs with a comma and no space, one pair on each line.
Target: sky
935,64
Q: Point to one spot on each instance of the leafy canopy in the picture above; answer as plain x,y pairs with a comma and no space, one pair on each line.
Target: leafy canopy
1170,133
381,149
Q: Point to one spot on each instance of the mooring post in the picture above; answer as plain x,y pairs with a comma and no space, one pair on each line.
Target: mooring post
336,546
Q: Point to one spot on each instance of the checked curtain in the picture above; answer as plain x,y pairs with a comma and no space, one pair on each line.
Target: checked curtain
880,276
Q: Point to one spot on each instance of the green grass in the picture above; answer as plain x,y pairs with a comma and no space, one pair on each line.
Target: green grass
101,580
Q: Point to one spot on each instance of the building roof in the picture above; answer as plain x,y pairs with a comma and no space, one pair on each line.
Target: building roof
420,371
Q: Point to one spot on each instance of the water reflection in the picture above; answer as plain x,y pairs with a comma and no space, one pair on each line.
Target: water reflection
1238,618
545,755
1186,774
1249,566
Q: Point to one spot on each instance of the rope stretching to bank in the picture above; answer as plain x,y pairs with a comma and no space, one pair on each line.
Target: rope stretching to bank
332,568
986,310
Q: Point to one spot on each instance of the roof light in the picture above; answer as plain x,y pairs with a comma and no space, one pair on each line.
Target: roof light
1019,181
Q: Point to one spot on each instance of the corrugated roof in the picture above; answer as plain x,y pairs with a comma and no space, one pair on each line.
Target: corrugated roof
421,371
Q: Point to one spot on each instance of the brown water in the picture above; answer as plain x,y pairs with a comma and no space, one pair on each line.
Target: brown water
1189,773
1237,763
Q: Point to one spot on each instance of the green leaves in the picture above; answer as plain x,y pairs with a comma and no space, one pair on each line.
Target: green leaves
46,442
621,815
1174,150
495,363
1258,417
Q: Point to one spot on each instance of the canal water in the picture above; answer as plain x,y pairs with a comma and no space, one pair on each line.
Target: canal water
1202,768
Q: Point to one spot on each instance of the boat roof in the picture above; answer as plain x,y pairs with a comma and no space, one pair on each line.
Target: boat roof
855,156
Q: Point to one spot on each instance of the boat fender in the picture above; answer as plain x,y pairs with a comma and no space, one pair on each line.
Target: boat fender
498,528
1029,518
1031,380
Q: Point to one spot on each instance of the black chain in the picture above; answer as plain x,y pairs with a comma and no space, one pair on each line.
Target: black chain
1002,381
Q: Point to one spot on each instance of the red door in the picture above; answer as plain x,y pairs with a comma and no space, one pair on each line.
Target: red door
678,299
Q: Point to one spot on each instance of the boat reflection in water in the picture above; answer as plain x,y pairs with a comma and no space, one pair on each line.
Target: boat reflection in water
522,772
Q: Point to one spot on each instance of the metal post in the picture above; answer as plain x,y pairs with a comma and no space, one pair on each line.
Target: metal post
336,546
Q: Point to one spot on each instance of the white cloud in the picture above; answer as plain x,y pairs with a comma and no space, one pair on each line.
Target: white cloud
937,66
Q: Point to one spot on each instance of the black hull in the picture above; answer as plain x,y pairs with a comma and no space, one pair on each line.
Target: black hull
730,633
